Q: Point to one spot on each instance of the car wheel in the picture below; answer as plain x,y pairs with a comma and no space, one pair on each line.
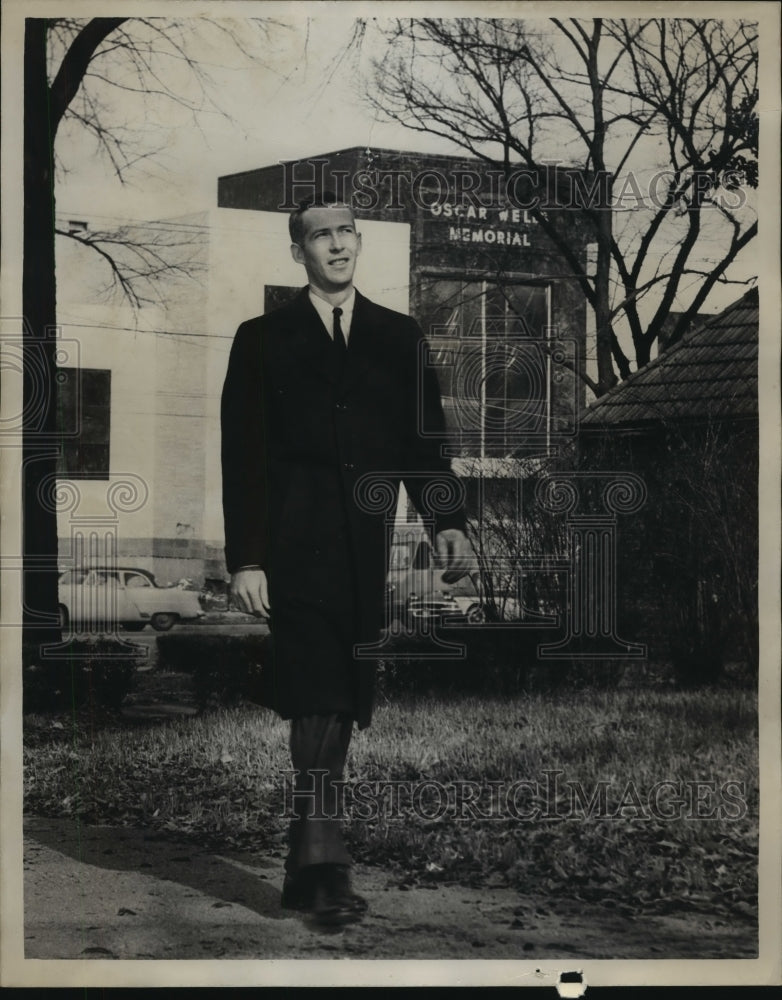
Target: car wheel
163,621
476,614
62,611
133,626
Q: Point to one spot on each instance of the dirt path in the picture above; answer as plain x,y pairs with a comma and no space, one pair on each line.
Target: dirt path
102,893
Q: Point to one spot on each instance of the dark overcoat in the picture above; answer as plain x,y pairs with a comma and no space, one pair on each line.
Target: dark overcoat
311,451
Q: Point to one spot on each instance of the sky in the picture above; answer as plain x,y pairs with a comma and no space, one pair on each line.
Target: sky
296,91
279,109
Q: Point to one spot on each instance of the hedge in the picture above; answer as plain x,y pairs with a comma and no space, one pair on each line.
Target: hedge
497,660
87,672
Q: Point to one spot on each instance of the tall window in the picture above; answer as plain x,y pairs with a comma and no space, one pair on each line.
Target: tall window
488,345
84,419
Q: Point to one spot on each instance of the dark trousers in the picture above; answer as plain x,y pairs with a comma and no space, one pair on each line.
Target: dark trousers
319,747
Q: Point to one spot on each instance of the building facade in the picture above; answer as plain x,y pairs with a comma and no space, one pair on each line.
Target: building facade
460,247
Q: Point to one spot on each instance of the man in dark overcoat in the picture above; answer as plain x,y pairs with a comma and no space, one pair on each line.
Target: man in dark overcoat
319,395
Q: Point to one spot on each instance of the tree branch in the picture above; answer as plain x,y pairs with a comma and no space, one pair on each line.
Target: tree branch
74,65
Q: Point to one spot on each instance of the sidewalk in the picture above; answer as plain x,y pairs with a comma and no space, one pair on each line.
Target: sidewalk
103,893
99,892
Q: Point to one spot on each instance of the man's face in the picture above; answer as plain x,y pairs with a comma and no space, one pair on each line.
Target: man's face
329,248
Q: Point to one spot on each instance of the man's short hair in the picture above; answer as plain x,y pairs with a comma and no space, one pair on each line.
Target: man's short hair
325,199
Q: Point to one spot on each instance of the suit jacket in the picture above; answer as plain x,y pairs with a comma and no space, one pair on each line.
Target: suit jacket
297,438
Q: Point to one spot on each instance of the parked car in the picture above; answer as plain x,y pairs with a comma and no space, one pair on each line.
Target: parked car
124,595
415,590
442,608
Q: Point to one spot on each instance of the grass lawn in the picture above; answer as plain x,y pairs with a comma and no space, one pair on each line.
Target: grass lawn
647,798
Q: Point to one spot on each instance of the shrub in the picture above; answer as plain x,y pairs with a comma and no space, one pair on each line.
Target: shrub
497,661
89,672
223,667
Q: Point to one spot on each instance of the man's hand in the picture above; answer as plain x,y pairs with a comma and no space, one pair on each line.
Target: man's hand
454,556
251,591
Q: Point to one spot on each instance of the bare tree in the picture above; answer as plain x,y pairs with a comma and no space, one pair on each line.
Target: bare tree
142,70
73,71
142,261
658,114
520,549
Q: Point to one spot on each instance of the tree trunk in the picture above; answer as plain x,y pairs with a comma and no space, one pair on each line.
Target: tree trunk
643,351
39,450
606,376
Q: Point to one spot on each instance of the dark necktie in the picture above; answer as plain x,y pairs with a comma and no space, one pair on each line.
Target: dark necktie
340,347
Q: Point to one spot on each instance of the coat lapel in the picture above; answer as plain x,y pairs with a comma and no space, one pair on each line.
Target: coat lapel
360,343
310,341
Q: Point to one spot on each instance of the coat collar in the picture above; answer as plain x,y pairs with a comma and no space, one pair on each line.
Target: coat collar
313,345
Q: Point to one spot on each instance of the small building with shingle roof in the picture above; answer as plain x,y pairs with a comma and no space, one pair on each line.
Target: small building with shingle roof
687,424
710,374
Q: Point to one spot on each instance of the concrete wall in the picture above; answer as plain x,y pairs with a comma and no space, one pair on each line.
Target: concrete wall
99,337
167,368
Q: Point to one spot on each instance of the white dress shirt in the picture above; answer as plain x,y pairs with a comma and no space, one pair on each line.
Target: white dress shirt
325,310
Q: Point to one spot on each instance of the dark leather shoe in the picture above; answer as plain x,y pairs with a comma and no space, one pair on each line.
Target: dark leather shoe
334,901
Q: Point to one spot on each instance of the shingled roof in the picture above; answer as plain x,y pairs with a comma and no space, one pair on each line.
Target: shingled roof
711,373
